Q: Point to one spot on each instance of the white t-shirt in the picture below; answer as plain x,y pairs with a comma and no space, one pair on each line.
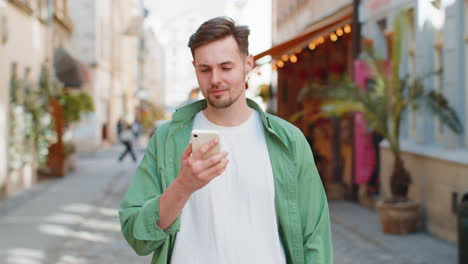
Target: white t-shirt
233,218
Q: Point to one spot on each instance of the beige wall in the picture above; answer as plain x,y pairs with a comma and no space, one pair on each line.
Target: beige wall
293,17
434,181
4,72
123,64
27,45
30,43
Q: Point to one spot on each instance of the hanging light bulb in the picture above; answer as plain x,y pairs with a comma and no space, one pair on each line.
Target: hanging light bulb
333,37
321,40
280,64
312,45
285,57
339,31
293,58
347,28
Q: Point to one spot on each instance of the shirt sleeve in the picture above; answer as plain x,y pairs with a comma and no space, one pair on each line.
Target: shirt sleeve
139,209
313,206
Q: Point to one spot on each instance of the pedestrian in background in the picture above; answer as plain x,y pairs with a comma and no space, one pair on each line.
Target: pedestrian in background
119,127
267,206
126,136
136,127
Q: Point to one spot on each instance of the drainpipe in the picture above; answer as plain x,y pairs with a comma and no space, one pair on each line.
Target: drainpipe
356,51
356,29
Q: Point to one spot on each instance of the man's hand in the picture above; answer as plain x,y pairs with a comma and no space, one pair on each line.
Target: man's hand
195,172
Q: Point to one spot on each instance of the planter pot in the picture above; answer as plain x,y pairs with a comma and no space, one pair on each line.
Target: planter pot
399,218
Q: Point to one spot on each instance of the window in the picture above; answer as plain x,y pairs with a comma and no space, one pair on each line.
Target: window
382,46
438,79
43,10
413,119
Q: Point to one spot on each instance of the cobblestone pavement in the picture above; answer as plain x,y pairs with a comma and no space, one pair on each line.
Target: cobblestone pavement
90,231
357,239
351,244
104,244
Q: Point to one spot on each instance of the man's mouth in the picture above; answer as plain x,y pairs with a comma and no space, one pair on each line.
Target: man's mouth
217,91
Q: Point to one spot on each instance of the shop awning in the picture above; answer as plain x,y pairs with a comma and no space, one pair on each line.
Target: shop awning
67,69
342,16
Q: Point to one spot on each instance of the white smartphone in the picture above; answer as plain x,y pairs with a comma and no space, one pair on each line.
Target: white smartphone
201,137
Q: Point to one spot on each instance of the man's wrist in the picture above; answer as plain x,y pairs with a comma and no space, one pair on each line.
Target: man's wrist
182,189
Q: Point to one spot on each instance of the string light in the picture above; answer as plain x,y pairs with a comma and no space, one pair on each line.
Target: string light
312,45
321,40
339,31
284,57
347,29
298,50
333,37
280,64
293,58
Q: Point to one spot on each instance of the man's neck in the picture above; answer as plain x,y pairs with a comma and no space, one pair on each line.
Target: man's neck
232,116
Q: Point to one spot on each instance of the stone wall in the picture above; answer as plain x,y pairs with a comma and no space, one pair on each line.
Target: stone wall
434,182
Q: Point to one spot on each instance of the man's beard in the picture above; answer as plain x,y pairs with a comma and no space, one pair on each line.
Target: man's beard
222,101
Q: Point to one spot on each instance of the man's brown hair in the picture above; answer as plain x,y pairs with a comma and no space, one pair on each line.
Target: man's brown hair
219,28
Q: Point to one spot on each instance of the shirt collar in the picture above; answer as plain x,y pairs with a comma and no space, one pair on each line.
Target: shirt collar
189,111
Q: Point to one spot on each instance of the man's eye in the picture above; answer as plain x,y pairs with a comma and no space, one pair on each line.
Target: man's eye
227,69
204,70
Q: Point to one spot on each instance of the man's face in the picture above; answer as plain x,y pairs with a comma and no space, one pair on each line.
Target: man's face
221,72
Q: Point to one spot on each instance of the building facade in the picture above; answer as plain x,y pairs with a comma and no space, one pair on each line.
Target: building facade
31,31
106,40
312,43
152,78
436,158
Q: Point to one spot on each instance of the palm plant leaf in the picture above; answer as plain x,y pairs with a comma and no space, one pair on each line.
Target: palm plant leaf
439,106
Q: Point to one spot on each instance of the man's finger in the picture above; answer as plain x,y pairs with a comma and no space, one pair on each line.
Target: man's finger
187,152
216,169
213,160
205,148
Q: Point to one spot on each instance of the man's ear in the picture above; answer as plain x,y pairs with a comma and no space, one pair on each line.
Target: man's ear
249,63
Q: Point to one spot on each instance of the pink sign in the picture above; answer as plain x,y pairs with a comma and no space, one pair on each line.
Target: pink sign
377,4
364,153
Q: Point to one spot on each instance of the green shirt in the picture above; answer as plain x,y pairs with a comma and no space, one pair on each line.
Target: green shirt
301,204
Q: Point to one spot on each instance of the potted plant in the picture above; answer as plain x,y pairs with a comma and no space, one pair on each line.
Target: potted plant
383,103
74,105
66,107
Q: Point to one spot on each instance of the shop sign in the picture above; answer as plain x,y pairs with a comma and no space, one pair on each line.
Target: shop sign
377,4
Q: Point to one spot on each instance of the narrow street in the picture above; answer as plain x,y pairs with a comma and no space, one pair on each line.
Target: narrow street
74,221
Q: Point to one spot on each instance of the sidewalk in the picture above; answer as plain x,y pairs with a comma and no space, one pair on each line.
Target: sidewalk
357,239
74,221
44,224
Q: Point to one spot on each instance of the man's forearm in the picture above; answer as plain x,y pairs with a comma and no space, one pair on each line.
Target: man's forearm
171,203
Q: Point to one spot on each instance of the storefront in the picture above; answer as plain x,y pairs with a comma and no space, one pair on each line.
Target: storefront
312,59
435,157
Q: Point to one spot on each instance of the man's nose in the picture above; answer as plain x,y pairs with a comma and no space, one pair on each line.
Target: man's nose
215,77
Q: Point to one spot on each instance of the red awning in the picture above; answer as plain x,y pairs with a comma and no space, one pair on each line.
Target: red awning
341,17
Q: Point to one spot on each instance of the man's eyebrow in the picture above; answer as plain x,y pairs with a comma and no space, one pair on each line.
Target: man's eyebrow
208,66
226,62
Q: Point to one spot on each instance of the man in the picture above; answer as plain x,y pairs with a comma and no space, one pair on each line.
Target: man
260,200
